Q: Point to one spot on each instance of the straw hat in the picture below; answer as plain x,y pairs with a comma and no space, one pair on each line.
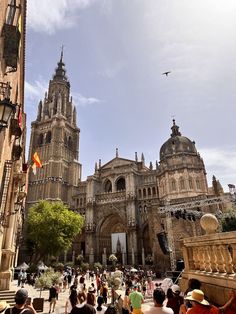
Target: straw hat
3,306
197,296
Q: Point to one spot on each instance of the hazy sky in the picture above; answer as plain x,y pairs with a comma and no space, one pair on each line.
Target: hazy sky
115,53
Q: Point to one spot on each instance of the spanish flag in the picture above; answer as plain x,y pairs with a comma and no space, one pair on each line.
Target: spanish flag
36,160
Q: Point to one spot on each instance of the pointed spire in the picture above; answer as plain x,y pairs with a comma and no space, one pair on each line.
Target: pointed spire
62,48
40,106
151,166
175,130
117,153
136,156
142,158
74,116
60,72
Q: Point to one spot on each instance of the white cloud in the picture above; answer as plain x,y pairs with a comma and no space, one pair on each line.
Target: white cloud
36,90
45,16
83,101
221,163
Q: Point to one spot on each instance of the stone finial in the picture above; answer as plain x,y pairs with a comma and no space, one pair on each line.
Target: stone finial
209,223
99,163
117,153
96,167
151,166
136,156
142,158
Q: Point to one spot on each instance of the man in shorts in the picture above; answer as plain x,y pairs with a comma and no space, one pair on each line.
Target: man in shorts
136,300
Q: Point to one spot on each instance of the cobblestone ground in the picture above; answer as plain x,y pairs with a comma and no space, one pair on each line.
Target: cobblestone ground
63,296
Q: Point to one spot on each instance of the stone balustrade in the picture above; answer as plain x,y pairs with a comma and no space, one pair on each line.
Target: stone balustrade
211,258
110,197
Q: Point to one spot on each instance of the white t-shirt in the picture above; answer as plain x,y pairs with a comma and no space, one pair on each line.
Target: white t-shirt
159,310
102,310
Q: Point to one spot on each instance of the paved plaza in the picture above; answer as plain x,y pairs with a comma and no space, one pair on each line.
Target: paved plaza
63,296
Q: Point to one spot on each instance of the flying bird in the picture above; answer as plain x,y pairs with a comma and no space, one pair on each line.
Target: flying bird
166,73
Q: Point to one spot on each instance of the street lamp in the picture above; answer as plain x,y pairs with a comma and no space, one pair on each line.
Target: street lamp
6,106
6,110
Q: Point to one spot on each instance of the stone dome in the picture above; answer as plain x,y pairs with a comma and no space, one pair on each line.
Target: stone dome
177,144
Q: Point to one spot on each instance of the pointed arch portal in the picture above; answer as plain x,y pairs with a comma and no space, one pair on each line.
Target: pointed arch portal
111,224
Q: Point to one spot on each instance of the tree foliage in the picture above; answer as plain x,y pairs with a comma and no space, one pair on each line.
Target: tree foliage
51,228
229,222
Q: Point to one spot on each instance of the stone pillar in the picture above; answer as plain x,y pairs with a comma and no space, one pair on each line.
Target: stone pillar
132,256
143,257
91,256
104,257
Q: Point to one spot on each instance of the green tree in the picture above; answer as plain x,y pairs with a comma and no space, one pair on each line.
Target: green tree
51,228
229,221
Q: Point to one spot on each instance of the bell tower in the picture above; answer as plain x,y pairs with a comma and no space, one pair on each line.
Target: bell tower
55,137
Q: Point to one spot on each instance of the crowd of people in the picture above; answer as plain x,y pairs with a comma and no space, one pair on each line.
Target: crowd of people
88,293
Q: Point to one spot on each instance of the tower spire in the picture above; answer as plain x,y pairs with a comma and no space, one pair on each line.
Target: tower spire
60,72
62,50
175,129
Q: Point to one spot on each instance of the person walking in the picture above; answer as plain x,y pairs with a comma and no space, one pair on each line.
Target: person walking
136,300
20,278
71,302
91,299
159,308
52,298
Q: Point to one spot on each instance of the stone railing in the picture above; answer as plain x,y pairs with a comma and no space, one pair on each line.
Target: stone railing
110,197
211,258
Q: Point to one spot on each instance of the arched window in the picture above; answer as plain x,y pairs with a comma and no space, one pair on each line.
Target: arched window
198,184
190,183
120,184
149,192
173,185
48,137
69,142
65,140
40,139
154,190
181,184
140,193
144,193
108,186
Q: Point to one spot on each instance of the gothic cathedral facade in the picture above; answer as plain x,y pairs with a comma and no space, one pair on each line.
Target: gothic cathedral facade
121,200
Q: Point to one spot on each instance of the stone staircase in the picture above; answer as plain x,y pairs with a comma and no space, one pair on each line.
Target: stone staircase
8,296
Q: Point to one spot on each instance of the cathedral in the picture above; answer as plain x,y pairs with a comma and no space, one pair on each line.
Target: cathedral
123,200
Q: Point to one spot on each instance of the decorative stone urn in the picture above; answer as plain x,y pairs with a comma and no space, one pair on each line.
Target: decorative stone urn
209,223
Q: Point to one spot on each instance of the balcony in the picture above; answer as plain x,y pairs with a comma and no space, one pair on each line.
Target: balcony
109,197
211,259
11,42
